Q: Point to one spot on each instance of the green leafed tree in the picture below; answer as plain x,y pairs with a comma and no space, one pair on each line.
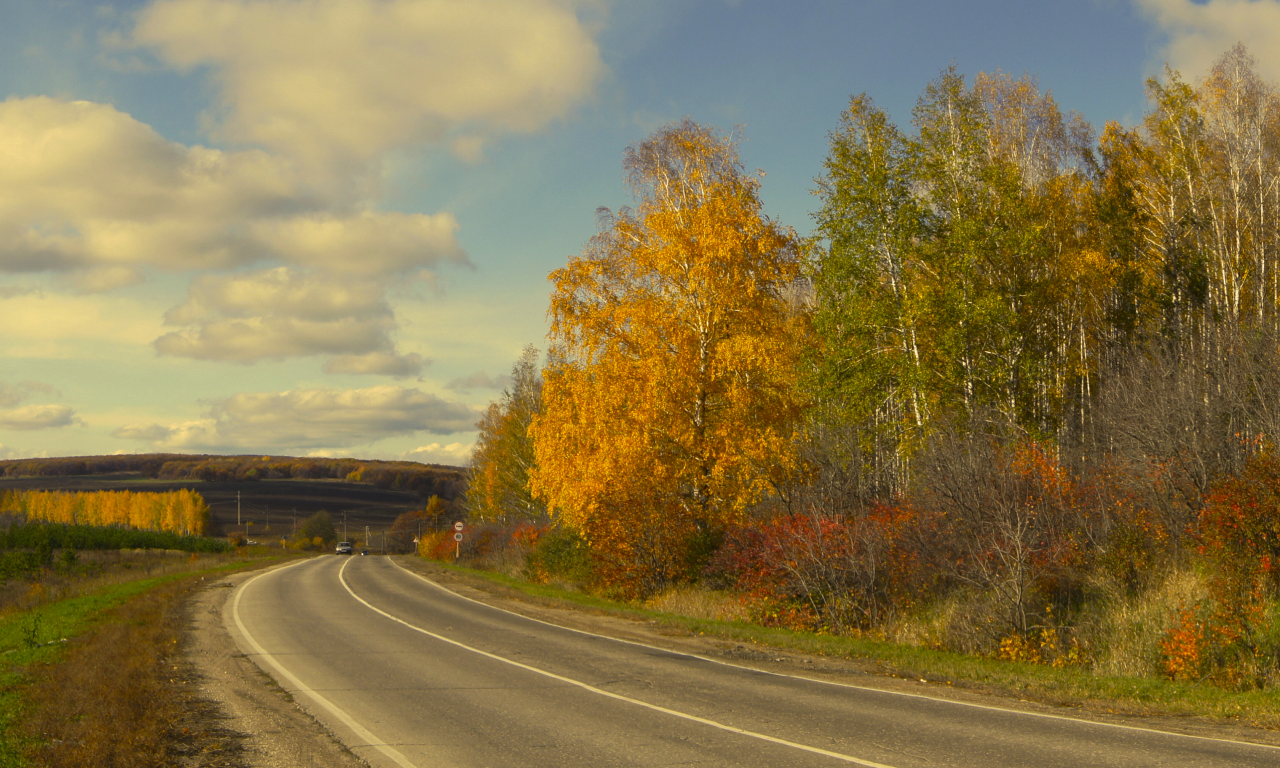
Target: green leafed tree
960,275
318,526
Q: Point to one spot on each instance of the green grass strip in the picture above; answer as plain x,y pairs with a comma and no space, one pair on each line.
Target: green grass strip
35,637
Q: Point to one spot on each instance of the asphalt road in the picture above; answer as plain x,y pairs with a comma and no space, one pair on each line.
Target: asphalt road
407,673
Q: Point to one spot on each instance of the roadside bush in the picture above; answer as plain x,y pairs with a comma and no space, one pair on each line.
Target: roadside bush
87,537
836,573
558,555
1233,635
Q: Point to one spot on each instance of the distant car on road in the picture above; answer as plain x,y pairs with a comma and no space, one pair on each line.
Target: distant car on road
343,548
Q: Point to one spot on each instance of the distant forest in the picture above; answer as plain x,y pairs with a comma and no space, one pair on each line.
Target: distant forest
426,480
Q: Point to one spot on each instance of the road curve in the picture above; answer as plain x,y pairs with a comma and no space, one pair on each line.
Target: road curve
409,674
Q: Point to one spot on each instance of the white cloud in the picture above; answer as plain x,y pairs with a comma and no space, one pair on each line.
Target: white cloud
30,417
308,420
383,363
282,291
284,312
1199,33
367,243
14,415
340,81
13,394
478,380
453,454
87,189
13,453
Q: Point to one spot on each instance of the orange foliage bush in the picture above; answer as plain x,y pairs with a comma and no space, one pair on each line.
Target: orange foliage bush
1233,635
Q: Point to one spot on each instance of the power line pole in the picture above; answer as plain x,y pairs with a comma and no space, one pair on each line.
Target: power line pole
237,509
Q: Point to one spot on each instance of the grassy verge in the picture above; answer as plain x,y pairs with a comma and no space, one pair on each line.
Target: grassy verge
1073,687
96,679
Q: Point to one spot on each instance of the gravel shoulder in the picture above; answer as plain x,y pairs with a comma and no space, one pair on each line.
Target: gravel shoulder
266,728
273,732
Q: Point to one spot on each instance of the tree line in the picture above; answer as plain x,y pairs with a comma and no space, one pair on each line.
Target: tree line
1024,373
182,511
426,480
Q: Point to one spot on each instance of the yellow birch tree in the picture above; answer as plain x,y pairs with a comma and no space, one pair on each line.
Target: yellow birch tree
670,395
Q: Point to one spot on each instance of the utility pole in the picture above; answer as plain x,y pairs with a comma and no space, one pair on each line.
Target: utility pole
237,509
295,521
344,526
268,517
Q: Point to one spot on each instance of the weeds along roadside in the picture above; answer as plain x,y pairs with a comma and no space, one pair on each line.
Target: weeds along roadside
90,663
1072,687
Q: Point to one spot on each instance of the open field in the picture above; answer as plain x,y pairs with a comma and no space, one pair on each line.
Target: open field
272,506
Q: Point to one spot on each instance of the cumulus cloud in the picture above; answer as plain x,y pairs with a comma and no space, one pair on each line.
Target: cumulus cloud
383,363
30,417
344,80
309,419
1199,33
284,312
478,380
453,454
88,190
13,394
366,243
14,415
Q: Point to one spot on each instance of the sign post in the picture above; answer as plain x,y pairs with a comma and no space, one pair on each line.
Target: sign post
457,540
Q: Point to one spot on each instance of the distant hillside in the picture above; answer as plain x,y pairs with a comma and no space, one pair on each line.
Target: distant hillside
425,480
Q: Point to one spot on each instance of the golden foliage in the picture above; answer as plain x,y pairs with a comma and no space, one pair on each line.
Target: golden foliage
182,511
671,391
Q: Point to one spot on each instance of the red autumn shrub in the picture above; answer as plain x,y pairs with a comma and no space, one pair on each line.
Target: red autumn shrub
819,571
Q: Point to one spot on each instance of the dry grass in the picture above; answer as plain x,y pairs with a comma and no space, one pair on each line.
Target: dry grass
118,692
698,603
100,570
1130,628
116,697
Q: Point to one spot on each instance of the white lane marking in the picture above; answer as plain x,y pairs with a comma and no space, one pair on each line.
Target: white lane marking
361,731
925,697
609,694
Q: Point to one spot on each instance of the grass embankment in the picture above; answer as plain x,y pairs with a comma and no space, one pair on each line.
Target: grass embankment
91,673
1074,687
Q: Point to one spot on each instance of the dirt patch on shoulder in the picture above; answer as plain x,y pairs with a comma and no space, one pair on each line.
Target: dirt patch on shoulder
269,729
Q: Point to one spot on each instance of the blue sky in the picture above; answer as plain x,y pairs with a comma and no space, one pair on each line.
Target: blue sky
325,226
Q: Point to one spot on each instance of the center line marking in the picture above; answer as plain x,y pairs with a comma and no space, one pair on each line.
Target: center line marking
608,694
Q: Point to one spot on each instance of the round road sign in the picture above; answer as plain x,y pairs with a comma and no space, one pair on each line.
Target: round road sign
457,526
457,537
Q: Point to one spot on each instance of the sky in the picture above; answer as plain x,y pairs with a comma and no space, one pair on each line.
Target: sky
324,227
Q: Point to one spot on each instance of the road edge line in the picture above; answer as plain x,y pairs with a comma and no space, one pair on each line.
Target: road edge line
988,707
610,694
364,733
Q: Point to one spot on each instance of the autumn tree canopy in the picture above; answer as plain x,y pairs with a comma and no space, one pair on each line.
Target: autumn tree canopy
670,395
502,458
